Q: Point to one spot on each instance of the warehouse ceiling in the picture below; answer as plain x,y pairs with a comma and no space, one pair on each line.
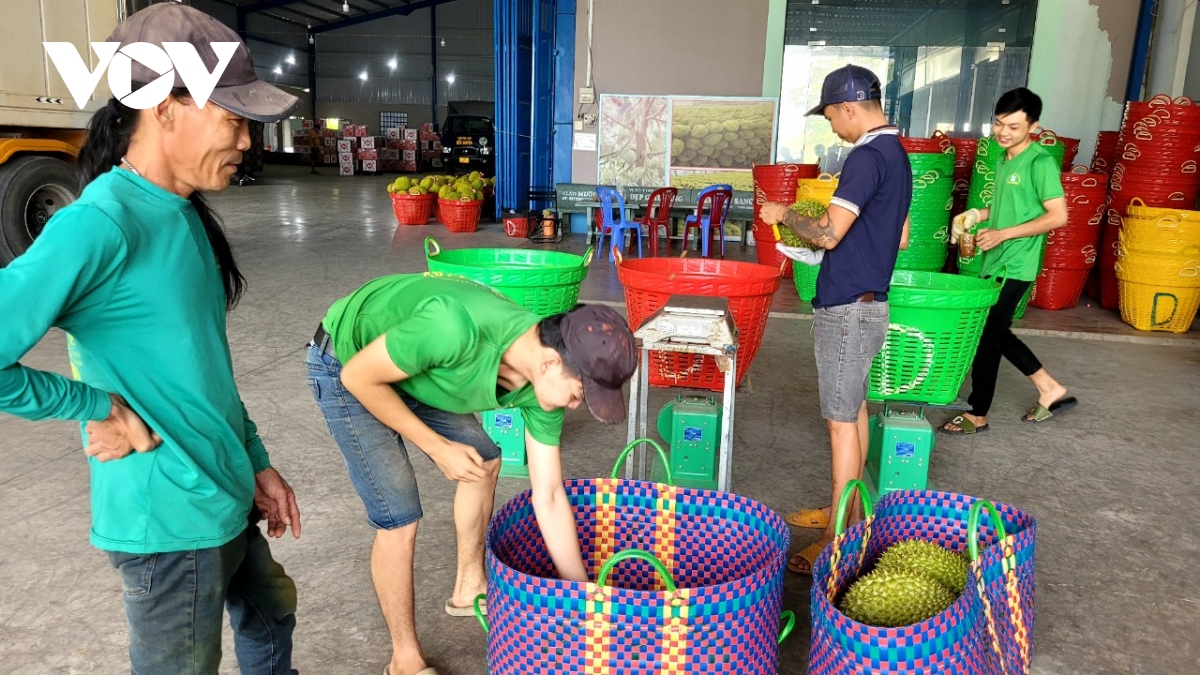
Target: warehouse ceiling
319,16
916,23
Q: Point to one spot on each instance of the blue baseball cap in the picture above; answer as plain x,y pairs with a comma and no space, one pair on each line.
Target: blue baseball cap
848,83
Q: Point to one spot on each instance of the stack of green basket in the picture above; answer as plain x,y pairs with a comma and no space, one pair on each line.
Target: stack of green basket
983,188
929,215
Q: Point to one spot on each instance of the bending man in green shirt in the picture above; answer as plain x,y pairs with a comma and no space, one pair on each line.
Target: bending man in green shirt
421,354
1028,203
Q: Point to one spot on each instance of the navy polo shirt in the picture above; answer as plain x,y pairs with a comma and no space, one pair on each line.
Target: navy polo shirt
876,186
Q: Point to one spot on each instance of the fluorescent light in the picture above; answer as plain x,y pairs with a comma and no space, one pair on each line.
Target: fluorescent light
291,59
278,70
450,78
345,7
392,64
443,42
363,76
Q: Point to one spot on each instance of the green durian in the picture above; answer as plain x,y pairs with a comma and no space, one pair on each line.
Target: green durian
893,598
942,564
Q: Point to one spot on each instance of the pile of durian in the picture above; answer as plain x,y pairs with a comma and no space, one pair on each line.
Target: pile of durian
913,581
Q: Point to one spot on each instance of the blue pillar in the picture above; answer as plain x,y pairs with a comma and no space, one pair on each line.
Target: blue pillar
564,89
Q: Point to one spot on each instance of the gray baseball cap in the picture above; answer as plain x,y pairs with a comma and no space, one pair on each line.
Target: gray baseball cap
848,83
238,90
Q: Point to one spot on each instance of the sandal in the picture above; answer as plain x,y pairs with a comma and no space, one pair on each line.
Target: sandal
1040,413
811,518
965,427
808,554
454,610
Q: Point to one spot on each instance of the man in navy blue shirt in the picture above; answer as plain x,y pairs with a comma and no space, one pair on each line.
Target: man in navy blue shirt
860,235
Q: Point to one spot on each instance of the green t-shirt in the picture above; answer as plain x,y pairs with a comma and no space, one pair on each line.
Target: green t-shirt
448,334
1023,185
128,273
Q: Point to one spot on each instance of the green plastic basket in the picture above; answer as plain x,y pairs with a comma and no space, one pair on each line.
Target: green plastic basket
1023,304
805,276
935,323
925,255
544,282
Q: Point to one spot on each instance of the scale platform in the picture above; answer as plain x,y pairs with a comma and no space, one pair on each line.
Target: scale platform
901,442
687,324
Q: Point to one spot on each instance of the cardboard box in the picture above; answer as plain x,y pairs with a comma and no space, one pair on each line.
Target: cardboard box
345,158
408,145
370,166
409,156
306,124
410,135
368,154
330,159
389,155
393,133
345,145
371,143
346,170
437,163
330,143
408,166
394,144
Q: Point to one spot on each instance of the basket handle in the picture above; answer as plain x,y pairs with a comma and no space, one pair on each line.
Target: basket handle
479,615
788,617
633,553
827,177
589,255
661,455
973,525
431,243
617,255
844,503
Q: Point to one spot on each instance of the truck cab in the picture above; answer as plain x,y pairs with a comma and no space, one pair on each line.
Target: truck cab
469,139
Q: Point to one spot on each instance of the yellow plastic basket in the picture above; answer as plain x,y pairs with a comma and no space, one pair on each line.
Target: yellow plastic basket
1156,307
820,188
1182,270
1164,242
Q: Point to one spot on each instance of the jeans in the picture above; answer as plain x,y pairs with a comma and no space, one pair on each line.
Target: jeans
998,340
174,601
846,339
375,455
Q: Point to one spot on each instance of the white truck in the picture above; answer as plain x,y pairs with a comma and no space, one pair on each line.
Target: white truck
41,129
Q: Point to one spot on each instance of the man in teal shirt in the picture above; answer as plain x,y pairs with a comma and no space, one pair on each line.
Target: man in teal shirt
138,272
1028,204
414,356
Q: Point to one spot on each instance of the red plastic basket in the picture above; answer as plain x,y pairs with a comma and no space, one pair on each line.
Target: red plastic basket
1058,288
516,226
778,181
412,209
765,251
939,143
650,282
460,216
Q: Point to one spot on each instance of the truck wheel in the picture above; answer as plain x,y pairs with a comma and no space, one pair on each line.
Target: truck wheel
32,189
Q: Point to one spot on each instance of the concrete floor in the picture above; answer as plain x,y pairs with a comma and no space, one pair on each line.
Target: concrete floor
1119,590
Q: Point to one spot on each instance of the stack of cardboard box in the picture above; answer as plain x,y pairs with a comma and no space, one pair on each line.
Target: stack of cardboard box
431,145
399,152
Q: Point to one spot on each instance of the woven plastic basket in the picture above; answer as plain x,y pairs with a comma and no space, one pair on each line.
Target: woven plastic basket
935,324
927,255
650,282
1058,288
703,595
805,277
544,282
974,635
460,216
1153,306
412,209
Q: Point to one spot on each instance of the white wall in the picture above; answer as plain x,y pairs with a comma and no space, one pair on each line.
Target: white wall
1080,64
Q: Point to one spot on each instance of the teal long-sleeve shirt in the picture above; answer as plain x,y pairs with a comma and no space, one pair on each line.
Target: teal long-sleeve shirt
128,273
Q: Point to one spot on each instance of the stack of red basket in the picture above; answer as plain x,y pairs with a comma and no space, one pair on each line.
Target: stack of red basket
1071,249
964,160
1158,161
776,183
1105,155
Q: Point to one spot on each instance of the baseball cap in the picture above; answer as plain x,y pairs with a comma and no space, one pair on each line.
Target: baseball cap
238,90
848,83
602,346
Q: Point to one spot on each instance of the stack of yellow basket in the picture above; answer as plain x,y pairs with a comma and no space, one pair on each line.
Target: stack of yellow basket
820,188
1158,268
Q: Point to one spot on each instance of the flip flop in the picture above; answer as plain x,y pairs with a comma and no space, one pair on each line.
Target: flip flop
809,553
965,427
811,518
454,610
423,671
1040,413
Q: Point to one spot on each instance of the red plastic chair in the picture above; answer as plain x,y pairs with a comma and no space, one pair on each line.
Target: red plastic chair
658,215
711,210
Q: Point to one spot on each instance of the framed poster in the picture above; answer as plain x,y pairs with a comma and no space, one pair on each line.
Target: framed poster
633,140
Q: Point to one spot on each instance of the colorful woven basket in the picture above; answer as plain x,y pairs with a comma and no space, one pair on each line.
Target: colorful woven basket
686,581
969,637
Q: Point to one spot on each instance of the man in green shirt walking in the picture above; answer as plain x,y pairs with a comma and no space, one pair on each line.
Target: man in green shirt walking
138,272
1028,204
413,356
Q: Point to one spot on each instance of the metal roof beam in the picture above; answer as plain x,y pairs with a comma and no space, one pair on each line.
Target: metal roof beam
399,10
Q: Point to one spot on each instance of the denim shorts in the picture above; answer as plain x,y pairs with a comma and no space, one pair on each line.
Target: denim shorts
846,339
375,455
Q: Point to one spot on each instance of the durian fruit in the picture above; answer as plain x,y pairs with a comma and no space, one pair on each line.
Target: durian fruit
892,598
946,566
809,208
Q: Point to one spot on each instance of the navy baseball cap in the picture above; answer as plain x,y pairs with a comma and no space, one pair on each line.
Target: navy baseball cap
848,83
602,346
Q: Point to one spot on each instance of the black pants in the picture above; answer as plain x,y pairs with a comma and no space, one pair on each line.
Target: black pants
998,340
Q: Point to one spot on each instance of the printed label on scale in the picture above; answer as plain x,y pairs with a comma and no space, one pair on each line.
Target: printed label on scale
692,434
504,421
906,449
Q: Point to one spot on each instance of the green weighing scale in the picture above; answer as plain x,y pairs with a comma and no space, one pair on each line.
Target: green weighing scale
506,427
901,441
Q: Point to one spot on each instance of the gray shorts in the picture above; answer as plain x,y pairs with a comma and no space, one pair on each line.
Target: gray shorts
846,339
